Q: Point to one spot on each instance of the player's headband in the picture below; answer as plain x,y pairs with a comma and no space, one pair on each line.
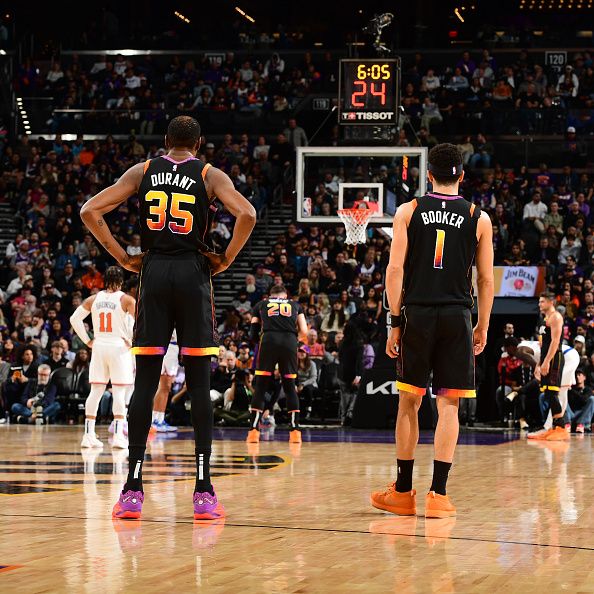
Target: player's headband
443,172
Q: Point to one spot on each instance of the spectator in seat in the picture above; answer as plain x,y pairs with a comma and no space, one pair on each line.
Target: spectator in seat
350,369
56,358
244,358
535,211
335,321
316,348
554,218
580,405
295,134
307,379
467,150
483,152
570,246
516,256
222,376
38,400
92,279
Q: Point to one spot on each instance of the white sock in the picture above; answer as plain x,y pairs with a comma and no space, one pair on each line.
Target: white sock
90,426
155,416
161,417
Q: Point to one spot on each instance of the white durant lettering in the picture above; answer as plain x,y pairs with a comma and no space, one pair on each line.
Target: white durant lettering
443,218
137,469
201,467
160,179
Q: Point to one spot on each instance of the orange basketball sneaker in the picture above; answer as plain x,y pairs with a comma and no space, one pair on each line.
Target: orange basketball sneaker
438,506
295,436
253,436
557,434
390,500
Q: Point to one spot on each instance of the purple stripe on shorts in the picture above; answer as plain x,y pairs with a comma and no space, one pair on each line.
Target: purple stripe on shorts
179,162
444,197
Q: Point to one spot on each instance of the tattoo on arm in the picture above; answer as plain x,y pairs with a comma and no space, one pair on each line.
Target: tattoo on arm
100,222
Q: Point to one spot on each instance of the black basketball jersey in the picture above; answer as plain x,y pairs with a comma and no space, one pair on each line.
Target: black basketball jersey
278,315
441,249
175,211
546,339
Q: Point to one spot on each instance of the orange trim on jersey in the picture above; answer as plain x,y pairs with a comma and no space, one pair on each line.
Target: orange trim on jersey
296,410
205,169
146,165
412,389
290,376
268,373
472,209
149,350
199,351
453,393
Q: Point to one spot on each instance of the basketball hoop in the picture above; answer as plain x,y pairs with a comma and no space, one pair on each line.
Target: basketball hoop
355,221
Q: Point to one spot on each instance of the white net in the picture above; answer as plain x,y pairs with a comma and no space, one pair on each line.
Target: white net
355,221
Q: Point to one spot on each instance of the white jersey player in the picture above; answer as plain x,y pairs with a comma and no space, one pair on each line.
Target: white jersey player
112,313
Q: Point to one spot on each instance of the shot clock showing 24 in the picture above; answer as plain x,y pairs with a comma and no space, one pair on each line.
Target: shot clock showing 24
369,91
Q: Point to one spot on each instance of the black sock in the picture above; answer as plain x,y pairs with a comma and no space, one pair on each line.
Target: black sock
294,419
404,475
255,417
560,422
440,476
135,460
203,483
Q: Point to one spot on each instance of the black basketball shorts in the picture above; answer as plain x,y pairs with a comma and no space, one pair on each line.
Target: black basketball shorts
277,348
175,292
552,381
437,339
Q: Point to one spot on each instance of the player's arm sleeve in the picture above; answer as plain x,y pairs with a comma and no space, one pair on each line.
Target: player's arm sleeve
255,329
78,324
129,320
256,323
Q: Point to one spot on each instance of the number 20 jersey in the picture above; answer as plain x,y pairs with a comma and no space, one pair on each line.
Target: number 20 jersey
175,211
441,250
278,315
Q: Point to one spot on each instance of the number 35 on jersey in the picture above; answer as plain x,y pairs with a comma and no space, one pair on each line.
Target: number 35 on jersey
159,204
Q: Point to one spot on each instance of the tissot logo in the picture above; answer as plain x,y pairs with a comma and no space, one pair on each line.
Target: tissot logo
368,115
386,388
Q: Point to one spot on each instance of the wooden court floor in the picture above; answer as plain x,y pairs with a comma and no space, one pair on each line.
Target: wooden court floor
298,520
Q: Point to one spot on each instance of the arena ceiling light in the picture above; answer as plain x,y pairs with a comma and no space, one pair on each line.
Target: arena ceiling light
457,13
2,52
181,17
245,15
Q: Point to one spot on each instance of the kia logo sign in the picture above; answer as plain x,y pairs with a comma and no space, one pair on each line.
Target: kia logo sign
385,388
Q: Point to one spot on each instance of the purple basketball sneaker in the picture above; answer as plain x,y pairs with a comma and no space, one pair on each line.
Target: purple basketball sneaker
129,505
207,507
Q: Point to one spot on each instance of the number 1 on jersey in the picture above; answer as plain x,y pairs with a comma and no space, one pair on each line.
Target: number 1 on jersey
105,322
439,241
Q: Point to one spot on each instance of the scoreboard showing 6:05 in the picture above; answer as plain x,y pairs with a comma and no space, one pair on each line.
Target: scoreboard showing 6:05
369,91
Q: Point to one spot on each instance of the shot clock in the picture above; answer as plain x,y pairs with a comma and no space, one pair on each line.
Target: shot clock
368,91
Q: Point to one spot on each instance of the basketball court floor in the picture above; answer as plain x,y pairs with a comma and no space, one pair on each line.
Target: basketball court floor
298,520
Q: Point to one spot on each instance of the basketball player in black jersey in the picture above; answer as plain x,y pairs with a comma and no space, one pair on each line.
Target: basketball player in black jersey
436,240
549,370
283,323
175,194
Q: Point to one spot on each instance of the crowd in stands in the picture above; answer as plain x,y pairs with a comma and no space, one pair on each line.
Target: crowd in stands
504,94
474,92
539,217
